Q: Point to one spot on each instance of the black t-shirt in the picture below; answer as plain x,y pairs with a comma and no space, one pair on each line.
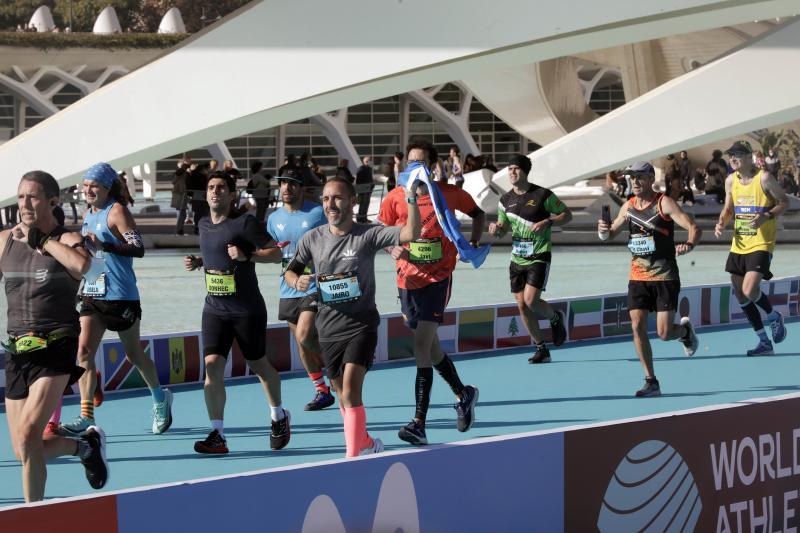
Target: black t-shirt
248,234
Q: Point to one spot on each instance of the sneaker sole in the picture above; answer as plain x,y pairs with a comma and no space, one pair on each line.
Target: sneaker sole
102,435
694,342
472,405
411,438
209,451
314,407
280,446
157,430
771,352
539,362
563,327
64,432
648,395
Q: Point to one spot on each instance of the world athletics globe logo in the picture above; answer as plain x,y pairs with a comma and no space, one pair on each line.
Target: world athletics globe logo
652,489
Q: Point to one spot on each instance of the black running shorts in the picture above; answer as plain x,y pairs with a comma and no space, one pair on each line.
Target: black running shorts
359,349
117,315
534,275
426,303
654,295
249,331
57,359
740,264
289,309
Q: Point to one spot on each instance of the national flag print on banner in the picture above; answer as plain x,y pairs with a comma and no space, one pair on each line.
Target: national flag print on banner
400,340
119,372
178,359
794,298
616,319
475,329
715,305
279,348
509,331
585,318
689,304
778,294
448,331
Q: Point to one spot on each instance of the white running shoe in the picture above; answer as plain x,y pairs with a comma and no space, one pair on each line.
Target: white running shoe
690,341
377,447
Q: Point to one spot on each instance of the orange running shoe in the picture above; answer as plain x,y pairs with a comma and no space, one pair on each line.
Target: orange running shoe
98,391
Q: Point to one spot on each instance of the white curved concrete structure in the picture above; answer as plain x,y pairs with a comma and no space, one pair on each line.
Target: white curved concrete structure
688,111
107,22
382,58
42,20
172,22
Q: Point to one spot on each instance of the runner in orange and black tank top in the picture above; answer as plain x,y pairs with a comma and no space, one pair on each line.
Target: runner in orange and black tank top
651,242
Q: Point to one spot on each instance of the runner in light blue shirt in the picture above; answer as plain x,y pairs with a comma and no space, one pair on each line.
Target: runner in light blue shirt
287,225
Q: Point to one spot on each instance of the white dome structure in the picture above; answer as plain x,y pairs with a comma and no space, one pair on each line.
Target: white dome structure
107,22
42,20
172,22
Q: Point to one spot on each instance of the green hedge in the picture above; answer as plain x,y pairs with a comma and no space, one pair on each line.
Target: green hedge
118,41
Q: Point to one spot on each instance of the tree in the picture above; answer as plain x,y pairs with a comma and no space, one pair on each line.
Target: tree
196,14
20,12
513,329
84,13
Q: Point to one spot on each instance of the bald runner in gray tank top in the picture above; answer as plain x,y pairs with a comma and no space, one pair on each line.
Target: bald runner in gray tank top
345,267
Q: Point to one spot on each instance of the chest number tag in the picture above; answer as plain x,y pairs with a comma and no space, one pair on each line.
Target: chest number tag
220,282
425,250
741,224
641,244
94,284
339,288
522,247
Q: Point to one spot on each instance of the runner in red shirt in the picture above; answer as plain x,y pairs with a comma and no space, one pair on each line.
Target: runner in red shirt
424,279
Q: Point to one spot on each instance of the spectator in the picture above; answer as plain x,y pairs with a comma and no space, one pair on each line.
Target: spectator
399,166
125,192
454,167
391,178
699,179
438,170
773,163
685,168
319,175
787,181
72,193
197,186
614,183
213,164
229,168
488,164
260,186
759,160
180,198
289,162
678,190
364,177
343,171
717,167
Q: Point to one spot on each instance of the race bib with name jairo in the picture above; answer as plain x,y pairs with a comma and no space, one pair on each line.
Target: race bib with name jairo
339,288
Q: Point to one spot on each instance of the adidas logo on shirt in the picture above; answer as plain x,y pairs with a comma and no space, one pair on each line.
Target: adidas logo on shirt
280,226
349,254
304,224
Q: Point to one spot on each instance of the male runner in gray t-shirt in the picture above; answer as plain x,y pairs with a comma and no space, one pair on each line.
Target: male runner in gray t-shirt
343,254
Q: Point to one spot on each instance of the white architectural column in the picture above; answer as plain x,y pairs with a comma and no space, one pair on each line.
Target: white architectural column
334,126
455,124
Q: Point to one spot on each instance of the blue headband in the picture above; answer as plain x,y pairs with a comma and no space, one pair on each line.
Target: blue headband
102,173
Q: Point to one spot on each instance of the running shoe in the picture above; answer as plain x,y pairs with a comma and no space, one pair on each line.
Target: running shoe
214,443
281,432
763,348
413,433
778,329
651,388
162,413
51,429
465,408
542,355
320,401
98,397
93,457
377,447
76,428
558,328
690,341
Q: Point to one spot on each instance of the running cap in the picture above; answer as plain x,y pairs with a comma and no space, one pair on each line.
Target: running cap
740,148
102,173
522,161
640,167
291,174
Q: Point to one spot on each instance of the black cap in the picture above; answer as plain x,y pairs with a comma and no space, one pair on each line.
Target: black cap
740,148
291,174
522,161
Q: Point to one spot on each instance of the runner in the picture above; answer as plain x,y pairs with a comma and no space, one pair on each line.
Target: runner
297,308
424,279
654,279
343,254
529,211
43,264
110,298
754,199
230,243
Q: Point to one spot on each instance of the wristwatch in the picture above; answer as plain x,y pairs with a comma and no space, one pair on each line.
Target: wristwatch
411,199
769,215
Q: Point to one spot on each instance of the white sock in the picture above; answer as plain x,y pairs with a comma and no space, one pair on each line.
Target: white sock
276,413
218,425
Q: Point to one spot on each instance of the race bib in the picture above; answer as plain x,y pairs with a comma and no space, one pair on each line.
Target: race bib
641,244
425,250
522,247
95,279
741,225
339,288
220,282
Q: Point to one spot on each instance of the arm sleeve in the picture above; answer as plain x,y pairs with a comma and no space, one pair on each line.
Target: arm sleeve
133,246
554,205
302,256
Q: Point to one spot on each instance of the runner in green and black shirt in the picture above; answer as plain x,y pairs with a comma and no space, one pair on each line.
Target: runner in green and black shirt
529,211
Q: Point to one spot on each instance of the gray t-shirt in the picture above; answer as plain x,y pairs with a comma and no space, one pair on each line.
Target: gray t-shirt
345,268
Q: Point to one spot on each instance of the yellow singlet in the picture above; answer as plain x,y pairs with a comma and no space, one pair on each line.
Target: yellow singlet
748,201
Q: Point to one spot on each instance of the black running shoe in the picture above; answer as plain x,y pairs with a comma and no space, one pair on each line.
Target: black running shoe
413,433
558,328
93,457
651,388
281,432
542,355
214,443
320,401
465,408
